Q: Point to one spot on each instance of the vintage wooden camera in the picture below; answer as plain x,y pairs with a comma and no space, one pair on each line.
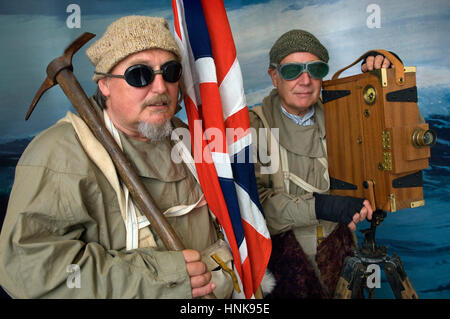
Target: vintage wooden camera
377,141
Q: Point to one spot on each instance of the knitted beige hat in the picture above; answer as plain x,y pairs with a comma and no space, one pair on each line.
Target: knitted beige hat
127,36
296,41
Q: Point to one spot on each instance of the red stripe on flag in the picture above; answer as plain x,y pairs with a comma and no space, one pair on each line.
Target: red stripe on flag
239,122
222,44
247,281
215,127
176,22
256,252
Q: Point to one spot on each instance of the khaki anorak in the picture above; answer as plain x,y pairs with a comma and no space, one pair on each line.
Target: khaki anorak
62,211
294,210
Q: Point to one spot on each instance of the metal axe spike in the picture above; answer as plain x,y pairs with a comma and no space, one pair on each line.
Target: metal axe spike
58,64
47,84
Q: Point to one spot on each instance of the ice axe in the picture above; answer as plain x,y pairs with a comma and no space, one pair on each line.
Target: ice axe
60,71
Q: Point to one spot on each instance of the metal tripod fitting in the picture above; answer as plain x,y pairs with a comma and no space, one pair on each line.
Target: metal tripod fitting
351,283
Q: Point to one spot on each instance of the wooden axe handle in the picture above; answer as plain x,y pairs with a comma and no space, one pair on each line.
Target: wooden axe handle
72,88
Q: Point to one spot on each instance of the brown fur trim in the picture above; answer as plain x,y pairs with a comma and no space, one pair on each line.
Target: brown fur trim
294,274
331,254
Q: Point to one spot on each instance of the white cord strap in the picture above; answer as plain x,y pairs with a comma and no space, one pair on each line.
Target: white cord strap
134,221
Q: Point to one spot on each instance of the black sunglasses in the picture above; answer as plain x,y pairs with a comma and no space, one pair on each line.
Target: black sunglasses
141,75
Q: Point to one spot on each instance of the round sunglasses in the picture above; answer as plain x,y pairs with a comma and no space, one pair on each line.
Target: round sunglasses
141,75
291,71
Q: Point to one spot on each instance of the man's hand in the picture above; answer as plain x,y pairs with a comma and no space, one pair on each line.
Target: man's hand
365,212
200,276
346,210
377,62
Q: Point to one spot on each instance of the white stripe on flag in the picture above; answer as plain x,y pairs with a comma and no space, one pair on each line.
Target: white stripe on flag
232,91
250,212
223,164
240,144
190,78
243,252
206,70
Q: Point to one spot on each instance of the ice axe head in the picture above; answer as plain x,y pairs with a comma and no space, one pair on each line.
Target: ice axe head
58,64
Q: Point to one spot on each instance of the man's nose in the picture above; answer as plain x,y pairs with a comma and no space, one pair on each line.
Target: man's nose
304,78
158,85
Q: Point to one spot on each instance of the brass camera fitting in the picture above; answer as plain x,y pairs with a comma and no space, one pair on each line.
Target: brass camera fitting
421,137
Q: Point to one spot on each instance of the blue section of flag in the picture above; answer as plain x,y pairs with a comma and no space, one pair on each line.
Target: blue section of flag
197,29
231,199
243,173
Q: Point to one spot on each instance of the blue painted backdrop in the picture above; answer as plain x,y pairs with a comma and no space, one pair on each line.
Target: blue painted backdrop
32,33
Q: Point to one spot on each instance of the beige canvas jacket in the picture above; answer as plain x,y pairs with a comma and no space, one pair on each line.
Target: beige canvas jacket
294,210
63,212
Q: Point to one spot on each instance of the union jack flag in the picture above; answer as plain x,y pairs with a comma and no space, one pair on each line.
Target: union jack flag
215,96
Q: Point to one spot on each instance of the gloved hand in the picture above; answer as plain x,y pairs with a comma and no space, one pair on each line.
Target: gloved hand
375,60
335,208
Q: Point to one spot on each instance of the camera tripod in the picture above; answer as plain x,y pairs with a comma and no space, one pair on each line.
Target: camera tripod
353,279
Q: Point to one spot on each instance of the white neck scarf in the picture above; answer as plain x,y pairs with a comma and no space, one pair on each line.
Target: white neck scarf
138,234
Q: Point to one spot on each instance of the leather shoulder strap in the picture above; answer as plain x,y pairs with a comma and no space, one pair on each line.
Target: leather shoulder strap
277,177
399,68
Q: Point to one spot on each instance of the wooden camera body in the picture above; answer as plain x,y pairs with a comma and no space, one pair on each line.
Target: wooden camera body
377,141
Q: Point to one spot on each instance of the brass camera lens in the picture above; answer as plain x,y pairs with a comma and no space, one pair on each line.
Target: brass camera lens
370,95
421,137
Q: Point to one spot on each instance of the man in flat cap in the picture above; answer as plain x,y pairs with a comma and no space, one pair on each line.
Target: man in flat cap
311,230
71,229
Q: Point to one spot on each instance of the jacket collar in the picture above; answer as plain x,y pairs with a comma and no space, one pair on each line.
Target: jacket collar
151,160
289,132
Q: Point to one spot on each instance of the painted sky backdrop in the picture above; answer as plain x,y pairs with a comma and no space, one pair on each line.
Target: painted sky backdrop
32,33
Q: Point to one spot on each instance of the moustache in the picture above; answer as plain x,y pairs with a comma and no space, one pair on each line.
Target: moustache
160,99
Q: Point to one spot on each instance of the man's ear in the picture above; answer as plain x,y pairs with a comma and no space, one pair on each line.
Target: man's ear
103,85
274,76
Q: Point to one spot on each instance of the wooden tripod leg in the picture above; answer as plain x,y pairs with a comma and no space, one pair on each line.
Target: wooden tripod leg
349,283
398,280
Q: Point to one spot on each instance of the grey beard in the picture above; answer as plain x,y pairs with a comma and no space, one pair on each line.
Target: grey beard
155,133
